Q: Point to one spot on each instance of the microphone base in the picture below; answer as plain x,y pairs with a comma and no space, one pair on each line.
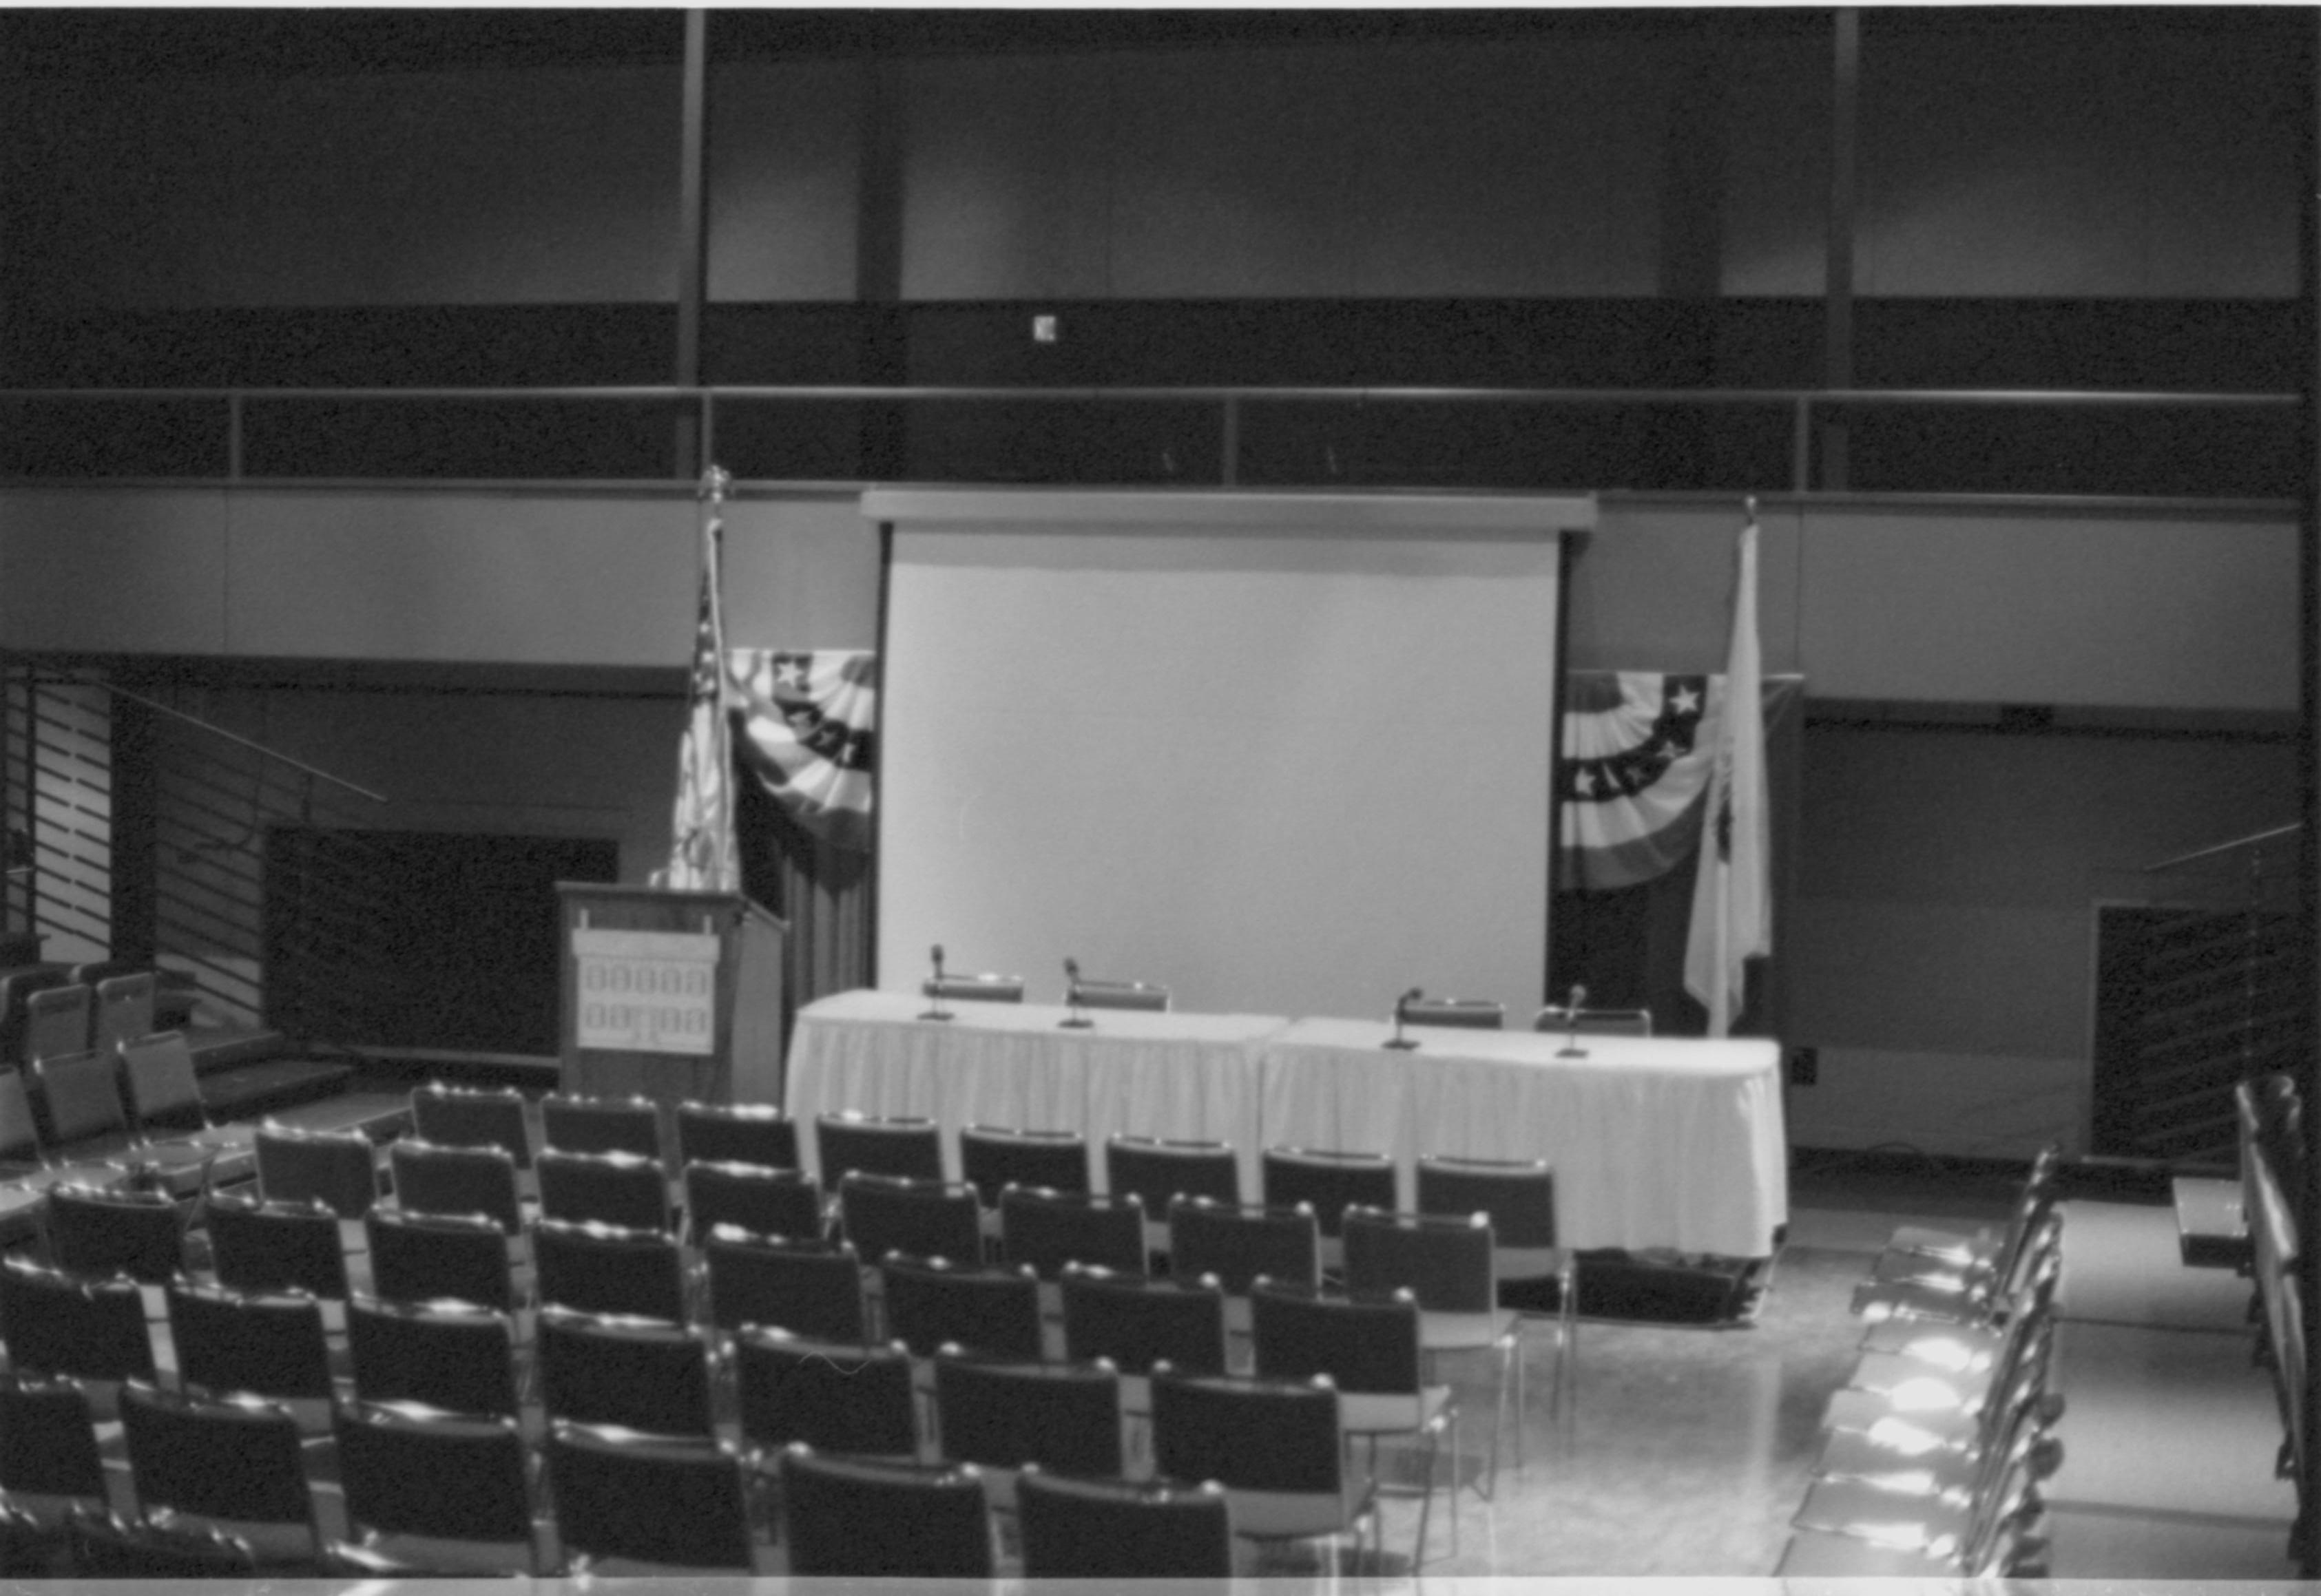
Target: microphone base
936,1014
1076,1022
1571,1052
1401,1044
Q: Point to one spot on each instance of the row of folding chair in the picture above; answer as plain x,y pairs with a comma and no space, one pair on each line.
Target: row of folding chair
132,1112
1933,1452
50,1011
2269,1114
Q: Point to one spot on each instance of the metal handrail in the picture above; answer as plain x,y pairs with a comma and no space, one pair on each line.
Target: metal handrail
235,738
1231,400
2253,840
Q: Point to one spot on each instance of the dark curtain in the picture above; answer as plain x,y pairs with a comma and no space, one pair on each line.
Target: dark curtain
823,891
1627,946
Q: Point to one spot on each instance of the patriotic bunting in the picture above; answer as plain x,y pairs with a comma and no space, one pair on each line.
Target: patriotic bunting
1638,751
809,723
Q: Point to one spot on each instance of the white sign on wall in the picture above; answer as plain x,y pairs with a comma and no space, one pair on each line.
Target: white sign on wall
646,991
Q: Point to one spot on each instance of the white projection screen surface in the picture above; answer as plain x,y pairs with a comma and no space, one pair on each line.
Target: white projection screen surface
1281,754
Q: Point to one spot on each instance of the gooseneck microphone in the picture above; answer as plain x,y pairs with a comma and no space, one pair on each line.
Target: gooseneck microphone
1572,1007
935,1010
1073,1018
1398,1040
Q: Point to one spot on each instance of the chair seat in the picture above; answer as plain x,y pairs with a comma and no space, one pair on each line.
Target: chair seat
1296,1515
1931,1342
1395,1412
1465,1332
1860,1409
1820,1555
1913,1386
1856,1507
1851,1455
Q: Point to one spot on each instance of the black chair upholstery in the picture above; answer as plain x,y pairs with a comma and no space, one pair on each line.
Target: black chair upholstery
1119,1529
434,1177
233,1462
933,1521
575,1124
931,1304
882,1214
607,1269
433,1493
1275,1446
469,1117
650,1502
858,1144
760,1199
1049,1230
418,1257
1330,1181
229,1344
809,1288
608,1188
1002,1414
991,1159
16,990
833,1396
49,1464
257,1245
337,1168
644,1374
1159,1172
58,1021
96,1233
107,1546
123,1009
54,1323
453,1356
1236,1243
1133,1323
736,1133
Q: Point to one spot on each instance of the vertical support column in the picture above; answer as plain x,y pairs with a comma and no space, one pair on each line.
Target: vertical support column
692,238
1838,290
884,350
2305,1544
136,834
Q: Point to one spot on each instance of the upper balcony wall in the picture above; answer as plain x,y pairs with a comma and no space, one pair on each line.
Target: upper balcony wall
2174,608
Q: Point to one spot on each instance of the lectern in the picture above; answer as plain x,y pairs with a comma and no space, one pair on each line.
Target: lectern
672,995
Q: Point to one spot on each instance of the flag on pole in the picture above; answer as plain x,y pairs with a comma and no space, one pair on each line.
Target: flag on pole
1732,897
701,856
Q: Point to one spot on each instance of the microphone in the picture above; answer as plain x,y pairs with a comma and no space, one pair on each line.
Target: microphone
1572,1007
1398,1040
935,1010
1073,1018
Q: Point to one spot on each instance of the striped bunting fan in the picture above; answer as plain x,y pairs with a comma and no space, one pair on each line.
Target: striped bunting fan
809,721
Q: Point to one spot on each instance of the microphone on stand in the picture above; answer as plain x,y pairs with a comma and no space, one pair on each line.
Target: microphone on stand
1073,1018
1398,1040
1571,1047
935,1010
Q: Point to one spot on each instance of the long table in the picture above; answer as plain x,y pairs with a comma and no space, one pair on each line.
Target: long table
1658,1142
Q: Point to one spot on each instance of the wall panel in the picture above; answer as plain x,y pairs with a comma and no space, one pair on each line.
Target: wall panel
106,572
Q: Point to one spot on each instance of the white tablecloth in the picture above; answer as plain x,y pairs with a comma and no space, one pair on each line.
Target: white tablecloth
1014,1066
1659,1142
1665,1142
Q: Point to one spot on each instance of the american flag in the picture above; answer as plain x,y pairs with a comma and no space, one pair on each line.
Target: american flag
701,856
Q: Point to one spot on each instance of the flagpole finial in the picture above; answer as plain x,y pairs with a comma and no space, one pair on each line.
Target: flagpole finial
714,481
1749,505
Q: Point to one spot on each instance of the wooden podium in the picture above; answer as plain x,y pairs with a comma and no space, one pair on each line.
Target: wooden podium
669,996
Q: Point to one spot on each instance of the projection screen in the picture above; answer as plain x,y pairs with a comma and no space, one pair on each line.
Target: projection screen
1281,754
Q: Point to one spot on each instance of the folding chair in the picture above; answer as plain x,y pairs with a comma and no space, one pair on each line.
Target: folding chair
58,1021
811,1289
1158,1171
451,1355
849,1143
50,1465
756,1198
98,1233
81,1092
433,1493
1518,1198
1132,1323
882,1214
833,1396
473,1117
232,1343
651,1376
609,1188
593,1269
1050,1230
123,1009
1121,1529
931,1303
235,1466
1002,1414
632,1504
1275,1446
736,1133
934,1522
257,1245
90,1330
420,1257
1330,1183
570,1123
337,1168
991,1159
432,1177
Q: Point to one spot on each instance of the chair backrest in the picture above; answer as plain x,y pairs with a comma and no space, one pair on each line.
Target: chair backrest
811,1289
1519,1195
410,1470
678,1501
258,1245
856,1144
20,1131
58,1021
123,1009
81,1093
164,1091
1160,1171
1330,1181
230,1343
1003,1414
450,1356
639,1373
421,1257
472,1117
931,1303
933,1521
1466,1013
430,1177
1134,1322
991,1159
1049,1230
1247,1434
55,1324
1114,1529
758,1198
593,1269
49,1457
976,989
337,1168
882,1214
1594,1022
1235,1243
1363,1345
613,1188
833,1396
1445,1263
16,991
240,1461
736,1133
1121,994
572,1123
96,1233
108,1546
